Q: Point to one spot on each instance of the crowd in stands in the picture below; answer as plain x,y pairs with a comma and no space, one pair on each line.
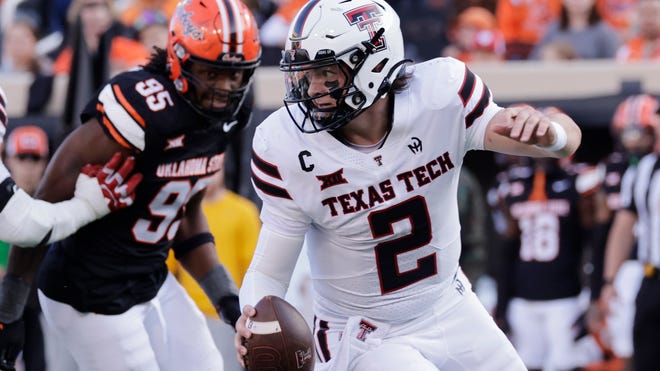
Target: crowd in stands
91,40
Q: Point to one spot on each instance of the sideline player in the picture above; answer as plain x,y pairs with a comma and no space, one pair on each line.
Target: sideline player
364,162
105,291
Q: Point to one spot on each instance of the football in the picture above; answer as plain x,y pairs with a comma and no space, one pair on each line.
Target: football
281,338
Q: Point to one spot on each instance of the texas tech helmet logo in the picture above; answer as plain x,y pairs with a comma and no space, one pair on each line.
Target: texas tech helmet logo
367,17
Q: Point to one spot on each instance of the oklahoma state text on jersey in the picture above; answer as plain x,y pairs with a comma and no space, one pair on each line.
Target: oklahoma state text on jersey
393,213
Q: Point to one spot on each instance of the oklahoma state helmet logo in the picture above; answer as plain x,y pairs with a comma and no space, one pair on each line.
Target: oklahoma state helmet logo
367,17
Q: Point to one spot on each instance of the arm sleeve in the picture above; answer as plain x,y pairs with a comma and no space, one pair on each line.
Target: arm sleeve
25,221
271,268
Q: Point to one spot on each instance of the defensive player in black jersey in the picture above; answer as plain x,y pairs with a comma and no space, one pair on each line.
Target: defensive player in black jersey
551,215
105,291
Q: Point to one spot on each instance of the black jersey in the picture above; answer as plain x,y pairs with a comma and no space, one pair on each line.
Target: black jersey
119,260
615,166
547,265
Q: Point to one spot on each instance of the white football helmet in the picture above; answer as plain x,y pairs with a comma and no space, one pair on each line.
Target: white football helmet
359,42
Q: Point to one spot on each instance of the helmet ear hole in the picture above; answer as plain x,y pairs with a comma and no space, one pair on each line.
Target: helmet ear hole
358,99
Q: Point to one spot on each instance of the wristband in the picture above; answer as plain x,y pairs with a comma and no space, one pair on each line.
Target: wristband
607,281
560,140
181,248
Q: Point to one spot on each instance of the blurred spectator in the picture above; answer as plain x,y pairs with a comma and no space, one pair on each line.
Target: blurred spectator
633,134
424,24
475,37
98,47
19,54
50,15
645,45
152,28
26,155
524,22
581,26
557,51
274,30
619,14
136,9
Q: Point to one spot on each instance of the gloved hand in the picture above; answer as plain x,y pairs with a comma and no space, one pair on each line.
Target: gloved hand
229,309
107,188
12,338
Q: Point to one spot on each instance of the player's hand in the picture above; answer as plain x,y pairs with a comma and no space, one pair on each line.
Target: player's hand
526,125
595,318
118,189
242,333
229,309
108,188
607,295
12,337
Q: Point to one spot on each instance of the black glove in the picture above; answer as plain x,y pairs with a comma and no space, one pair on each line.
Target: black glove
12,338
229,309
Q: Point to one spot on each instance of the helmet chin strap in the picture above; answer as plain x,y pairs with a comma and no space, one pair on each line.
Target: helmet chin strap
385,86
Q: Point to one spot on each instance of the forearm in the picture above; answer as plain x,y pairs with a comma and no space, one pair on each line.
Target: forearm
272,265
619,243
512,133
28,222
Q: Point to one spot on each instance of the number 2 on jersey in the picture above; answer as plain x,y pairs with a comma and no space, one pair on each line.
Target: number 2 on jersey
416,211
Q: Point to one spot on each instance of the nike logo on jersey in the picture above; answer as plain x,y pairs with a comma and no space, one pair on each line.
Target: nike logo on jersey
228,125
176,142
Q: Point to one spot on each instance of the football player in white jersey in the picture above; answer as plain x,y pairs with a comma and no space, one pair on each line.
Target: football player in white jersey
364,161
25,221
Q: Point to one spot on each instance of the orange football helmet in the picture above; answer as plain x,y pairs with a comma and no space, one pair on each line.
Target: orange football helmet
222,37
636,110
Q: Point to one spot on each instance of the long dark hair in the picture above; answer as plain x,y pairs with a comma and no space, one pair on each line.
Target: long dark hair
594,17
157,61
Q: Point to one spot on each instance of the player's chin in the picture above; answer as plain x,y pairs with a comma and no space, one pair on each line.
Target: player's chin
214,104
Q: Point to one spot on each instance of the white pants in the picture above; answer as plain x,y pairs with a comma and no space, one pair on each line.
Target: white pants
456,334
543,334
166,333
622,308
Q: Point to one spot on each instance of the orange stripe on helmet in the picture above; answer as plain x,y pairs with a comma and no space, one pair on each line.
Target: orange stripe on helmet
635,110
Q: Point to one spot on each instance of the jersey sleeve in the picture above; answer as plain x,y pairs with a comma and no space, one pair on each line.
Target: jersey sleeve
279,209
121,111
478,107
627,185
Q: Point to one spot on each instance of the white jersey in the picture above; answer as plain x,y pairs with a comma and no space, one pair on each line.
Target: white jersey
382,228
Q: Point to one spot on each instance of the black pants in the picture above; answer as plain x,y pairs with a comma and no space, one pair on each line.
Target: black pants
646,329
